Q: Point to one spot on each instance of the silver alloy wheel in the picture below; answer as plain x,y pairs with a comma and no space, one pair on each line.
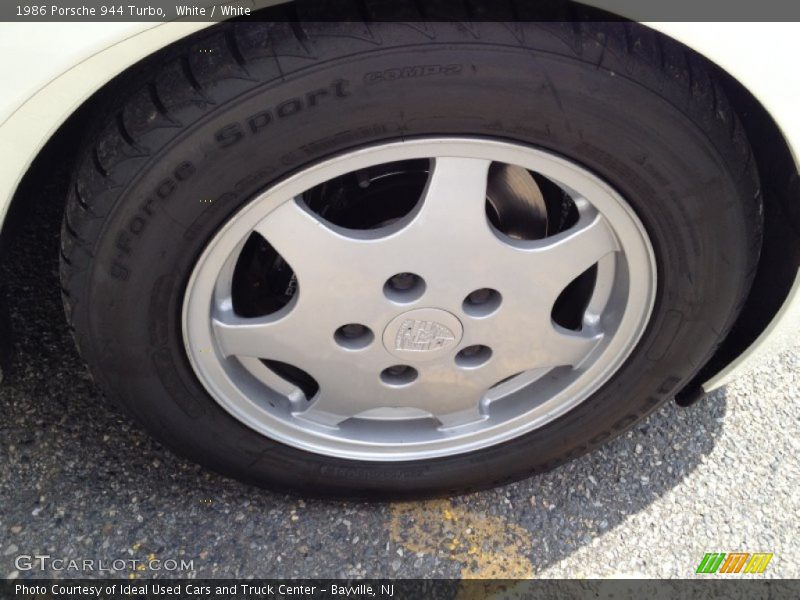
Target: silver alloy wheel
426,376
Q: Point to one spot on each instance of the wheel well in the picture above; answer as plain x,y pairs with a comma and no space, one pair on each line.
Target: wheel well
780,253
780,186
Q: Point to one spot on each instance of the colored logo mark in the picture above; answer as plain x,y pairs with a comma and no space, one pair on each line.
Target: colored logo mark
734,562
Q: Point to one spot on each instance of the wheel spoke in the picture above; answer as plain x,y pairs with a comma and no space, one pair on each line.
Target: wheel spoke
554,262
569,348
516,382
272,380
281,336
340,397
454,204
527,340
469,416
551,347
470,407
445,234
308,244
319,253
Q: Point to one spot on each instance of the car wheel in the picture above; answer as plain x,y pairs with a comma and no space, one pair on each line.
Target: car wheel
383,260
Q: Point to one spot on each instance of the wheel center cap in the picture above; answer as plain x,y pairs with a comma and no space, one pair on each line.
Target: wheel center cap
422,334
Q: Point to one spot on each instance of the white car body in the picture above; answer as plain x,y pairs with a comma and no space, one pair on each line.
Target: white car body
50,69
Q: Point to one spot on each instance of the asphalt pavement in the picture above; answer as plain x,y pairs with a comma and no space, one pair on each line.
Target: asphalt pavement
79,481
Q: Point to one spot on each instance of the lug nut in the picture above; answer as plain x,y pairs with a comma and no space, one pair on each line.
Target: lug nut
403,281
353,331
480,296
473,356
353,336
399,375
482,302
404,287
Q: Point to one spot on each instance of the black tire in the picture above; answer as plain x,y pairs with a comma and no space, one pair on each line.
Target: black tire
640,111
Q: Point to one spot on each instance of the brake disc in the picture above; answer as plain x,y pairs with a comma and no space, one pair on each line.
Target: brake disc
517,201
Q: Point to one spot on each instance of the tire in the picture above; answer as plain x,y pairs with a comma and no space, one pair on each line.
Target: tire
229,112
